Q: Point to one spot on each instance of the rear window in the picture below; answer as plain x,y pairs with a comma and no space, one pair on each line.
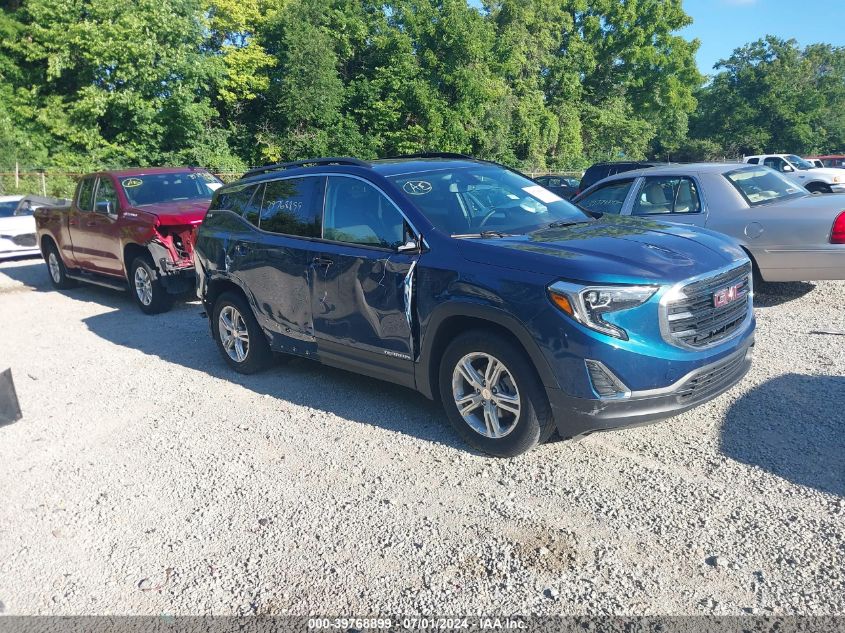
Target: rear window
762,185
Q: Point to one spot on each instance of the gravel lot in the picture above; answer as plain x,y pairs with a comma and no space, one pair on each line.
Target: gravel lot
147,478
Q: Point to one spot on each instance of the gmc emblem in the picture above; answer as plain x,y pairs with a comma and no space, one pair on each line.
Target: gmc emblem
727,295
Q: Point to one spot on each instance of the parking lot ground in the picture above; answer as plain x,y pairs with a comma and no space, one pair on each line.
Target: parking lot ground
147,478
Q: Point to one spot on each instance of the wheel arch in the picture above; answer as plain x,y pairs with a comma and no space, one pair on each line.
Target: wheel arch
453,319
131,250
218,286
46,241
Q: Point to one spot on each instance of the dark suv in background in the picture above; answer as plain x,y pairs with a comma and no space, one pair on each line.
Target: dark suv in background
600,171
474,285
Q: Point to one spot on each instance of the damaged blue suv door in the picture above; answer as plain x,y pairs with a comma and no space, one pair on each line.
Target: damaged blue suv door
470,283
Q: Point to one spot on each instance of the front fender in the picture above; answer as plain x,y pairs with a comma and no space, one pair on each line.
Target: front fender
431,347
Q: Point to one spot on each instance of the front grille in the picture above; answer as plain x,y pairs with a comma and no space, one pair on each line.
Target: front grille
692,319
712,381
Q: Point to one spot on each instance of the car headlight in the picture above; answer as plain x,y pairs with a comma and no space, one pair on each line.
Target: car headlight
838,179
588,304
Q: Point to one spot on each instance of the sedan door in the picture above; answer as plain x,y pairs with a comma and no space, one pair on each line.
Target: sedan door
362,284
669,198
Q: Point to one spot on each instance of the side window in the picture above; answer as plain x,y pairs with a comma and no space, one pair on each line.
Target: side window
234,199
753,161
667,195
358,213
292,207
774,162
85,201
106,193
609,198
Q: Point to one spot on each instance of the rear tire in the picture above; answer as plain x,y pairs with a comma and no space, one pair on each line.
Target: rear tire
505,408
239,338
56,269
146,287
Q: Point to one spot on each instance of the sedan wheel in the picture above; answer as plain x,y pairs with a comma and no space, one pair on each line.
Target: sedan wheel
233,333
486,395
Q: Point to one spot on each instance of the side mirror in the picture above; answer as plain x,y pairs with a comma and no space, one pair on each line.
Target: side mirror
105,207
787,169
411,246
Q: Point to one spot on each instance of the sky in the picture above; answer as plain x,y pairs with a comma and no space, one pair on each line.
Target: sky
723,25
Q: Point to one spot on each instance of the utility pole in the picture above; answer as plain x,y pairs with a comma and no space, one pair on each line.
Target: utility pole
17,176
43,183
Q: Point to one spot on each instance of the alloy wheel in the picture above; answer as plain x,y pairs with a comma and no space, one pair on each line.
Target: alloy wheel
143,285
233,333
486,395
55,269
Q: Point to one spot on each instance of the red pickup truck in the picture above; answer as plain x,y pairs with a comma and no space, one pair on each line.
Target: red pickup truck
132,228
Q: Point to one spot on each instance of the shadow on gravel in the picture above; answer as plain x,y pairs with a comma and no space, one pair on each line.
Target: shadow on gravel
770,294
791,427
182,336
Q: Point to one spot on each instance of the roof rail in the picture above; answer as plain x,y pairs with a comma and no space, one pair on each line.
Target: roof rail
436,155
335,160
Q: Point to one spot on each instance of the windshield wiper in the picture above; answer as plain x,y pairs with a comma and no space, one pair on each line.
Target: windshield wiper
561,224
483,234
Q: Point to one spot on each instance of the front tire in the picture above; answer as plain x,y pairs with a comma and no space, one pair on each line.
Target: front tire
146,287
818,188
56,269
492,394
239,338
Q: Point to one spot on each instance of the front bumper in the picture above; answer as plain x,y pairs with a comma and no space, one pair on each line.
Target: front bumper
580,416
837,188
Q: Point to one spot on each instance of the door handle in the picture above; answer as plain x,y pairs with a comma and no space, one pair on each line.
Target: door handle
322,261
241,249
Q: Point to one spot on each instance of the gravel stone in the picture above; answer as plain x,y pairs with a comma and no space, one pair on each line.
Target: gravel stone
146,477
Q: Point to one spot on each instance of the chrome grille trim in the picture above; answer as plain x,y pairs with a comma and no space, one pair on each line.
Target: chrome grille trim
688,317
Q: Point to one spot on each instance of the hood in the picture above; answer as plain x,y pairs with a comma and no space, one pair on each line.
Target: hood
610,250
827,172
178,212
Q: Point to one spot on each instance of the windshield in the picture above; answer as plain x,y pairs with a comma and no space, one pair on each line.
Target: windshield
762,185
7,209
156,188
471,200
799,163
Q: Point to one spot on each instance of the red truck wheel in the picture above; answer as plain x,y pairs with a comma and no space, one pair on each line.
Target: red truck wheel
56,269
146,287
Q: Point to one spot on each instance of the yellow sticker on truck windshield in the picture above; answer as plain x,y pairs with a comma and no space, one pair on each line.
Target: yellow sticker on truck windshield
132,182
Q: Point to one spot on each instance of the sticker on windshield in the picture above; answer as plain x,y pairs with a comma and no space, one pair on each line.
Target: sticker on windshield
417,187
214,186
542,194
132,182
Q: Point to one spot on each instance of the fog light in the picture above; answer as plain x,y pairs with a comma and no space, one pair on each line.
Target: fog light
605,383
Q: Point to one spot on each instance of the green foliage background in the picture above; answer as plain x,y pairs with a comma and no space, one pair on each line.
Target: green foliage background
541,84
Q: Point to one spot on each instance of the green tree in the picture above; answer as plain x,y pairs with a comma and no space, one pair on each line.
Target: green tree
771,96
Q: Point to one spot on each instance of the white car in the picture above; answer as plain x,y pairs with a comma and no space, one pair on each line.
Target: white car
17,226
803,172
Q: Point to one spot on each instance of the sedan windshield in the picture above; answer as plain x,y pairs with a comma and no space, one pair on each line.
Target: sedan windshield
469,201
799,163
157,188
762,185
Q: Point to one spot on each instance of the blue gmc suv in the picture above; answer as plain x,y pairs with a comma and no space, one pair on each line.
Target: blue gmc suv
474,285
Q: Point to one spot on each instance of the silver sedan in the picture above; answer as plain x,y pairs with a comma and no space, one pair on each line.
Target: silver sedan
789,233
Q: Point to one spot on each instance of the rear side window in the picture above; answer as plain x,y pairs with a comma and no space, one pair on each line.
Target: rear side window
292,207
608,198
667,195
234,199
85,200
753,161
